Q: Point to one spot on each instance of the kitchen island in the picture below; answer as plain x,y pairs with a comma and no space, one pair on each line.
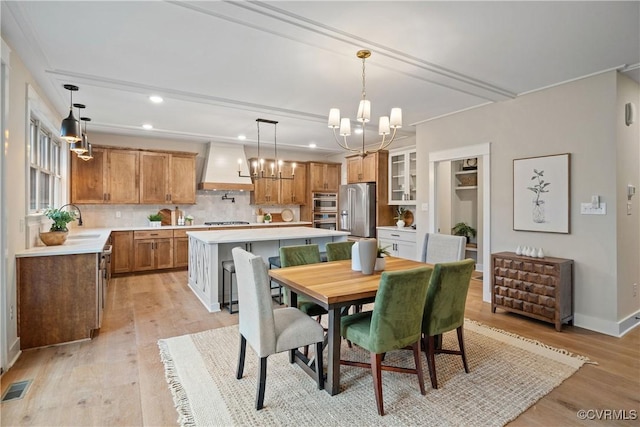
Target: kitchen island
208,249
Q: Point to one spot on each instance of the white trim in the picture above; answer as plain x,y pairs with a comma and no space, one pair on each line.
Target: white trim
596,324
618,68
627,324
5,53
479,150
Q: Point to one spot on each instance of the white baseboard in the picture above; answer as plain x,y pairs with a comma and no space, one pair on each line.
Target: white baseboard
607,327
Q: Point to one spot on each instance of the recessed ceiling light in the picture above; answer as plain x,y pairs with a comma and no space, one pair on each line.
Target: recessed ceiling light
312,145
156,99
242,137
147,126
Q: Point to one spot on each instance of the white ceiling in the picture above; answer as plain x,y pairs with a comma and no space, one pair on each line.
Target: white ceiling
220,65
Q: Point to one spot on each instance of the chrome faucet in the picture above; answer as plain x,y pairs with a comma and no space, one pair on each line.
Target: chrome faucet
77,208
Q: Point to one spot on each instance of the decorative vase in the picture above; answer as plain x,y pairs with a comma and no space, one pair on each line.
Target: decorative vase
540,253
368,249
155,224
537,211
400,223
381,263
518,250
355,257
260,218
54,238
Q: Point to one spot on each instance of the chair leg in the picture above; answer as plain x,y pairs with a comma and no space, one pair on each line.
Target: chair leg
243,348
292,355
431,361
418,362
319,368
376,371
261,383
461,344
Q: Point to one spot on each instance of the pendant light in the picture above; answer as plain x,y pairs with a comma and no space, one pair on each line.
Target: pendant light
80,146
276,164
70,128
88,155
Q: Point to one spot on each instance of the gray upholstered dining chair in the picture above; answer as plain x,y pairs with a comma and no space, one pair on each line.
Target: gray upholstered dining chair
269,331
443,248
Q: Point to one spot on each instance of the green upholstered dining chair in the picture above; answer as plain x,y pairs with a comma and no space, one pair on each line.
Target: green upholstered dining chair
444,310
393,324
337,251
269,331
301,255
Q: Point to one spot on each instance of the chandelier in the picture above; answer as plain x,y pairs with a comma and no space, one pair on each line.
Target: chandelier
385,127
257,167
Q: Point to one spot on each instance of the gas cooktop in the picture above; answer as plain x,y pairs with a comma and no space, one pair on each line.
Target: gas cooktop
226,223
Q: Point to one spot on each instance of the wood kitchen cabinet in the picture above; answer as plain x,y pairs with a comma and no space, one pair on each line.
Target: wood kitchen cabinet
153,250
167,178
324,177
269,191
181,246
122,252
59,298
294,192
363,169
110,177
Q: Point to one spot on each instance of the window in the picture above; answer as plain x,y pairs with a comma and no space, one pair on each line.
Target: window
44,168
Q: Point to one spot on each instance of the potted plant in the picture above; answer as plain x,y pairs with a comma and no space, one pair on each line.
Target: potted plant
400,212
464,229
155,220
380,261
189,219
58,232
267,218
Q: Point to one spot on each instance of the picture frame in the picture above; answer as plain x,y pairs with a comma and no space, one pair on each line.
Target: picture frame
541,193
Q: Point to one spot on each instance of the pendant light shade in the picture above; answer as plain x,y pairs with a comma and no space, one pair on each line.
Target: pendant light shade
86,145
80,146
70,128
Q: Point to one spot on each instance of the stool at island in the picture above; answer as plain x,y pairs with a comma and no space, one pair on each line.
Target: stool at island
274,261
230,268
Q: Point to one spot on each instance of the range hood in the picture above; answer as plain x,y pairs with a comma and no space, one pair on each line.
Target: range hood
220,170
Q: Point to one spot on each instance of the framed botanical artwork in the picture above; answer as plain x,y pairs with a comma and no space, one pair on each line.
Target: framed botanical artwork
541,193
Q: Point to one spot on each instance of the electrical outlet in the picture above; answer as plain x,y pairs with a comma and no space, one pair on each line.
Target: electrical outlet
11,312
635,290
118,214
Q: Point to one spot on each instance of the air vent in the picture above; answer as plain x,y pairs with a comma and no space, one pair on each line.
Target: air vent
16,390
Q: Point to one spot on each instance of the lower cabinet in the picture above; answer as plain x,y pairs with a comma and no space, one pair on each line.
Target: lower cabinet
122,252
400,243
181,246
153,250
59,298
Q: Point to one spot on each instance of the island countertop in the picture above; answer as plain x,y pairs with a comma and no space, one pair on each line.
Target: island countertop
266,234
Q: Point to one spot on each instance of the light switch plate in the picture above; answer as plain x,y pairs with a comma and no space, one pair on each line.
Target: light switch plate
588,209
425,207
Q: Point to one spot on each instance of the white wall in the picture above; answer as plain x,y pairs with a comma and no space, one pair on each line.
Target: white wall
576,118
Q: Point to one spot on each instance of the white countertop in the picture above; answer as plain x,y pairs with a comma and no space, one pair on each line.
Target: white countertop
233,236
394,228
92,240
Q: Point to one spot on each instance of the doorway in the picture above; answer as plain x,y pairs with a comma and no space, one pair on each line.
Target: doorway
440,161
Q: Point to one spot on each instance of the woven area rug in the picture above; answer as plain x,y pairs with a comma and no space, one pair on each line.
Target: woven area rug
508,374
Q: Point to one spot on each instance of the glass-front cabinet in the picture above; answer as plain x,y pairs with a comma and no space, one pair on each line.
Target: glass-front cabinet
402,177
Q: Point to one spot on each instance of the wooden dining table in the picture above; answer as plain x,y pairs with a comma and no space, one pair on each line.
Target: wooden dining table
336,287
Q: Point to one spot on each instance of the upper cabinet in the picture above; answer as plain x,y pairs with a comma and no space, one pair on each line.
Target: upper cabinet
324,177
120,176
110,177
269,191
402,177
167,178
362,169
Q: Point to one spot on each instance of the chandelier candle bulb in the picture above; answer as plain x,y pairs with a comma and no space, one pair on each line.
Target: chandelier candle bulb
239,164
293,169
364,111
383,128
334,118
345,127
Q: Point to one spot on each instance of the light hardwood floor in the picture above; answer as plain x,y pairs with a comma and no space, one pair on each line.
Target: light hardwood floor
117,378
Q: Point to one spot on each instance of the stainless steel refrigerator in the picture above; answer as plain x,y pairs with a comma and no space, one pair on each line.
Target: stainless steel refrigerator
357,209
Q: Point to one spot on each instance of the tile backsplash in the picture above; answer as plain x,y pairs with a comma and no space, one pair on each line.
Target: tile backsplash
209,207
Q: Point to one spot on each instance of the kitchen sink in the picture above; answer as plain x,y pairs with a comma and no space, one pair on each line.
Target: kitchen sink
83,236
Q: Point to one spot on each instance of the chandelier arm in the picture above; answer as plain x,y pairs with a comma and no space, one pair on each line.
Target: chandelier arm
345,146
384,144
